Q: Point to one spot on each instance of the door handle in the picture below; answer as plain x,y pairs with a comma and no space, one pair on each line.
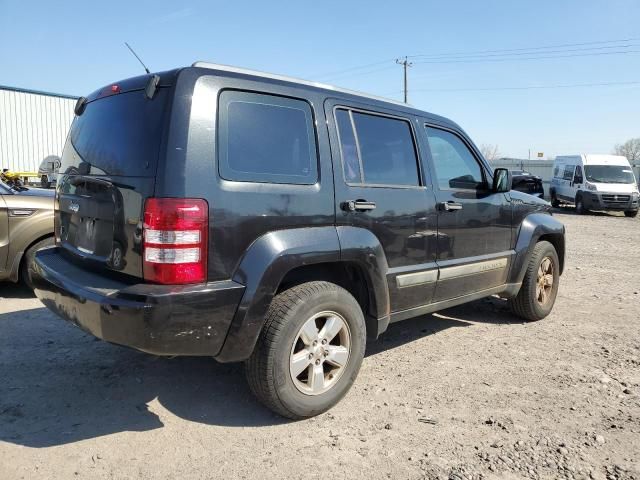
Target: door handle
358,206
450,206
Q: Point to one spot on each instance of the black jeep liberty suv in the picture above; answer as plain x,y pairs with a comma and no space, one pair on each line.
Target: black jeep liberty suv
244,216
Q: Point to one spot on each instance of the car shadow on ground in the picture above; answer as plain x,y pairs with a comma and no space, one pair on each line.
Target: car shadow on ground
491,310
570,210
59,385
15,290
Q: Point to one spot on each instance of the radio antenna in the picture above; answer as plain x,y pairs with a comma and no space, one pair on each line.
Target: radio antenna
136,55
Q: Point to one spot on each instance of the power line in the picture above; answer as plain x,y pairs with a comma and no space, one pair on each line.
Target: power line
484,60
355,74
526,87
490,60
479,56
528,48
517,54
359,67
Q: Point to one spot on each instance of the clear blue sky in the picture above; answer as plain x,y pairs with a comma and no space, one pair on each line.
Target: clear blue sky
75,47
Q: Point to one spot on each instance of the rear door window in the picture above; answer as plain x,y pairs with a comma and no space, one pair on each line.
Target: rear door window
377,150
266,138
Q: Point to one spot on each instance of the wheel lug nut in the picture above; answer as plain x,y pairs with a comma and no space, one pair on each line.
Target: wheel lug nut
310,356
324,342
315,342
317,362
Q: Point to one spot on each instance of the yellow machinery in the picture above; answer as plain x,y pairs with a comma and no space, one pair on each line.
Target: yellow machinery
16,178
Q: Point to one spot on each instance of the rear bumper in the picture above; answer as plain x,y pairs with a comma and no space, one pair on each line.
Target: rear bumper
609,201
158,319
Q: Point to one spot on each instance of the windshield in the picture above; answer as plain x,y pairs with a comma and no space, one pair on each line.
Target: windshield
609,174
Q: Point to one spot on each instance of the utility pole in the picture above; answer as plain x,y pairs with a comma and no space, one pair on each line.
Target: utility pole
405,64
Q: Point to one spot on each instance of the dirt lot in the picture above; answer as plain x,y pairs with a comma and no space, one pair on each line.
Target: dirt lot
468,393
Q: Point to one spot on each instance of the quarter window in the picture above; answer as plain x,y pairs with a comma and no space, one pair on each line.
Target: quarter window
265,138
380,151
454,164
349,148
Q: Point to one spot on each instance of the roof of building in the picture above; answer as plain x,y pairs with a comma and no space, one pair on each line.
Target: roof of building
37,92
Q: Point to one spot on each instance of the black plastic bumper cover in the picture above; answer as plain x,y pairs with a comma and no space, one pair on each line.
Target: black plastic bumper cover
158,319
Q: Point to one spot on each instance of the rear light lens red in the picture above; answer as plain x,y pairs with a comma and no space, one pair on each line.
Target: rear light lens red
175,240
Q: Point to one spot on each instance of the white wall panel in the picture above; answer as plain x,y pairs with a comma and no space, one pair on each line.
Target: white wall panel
33,125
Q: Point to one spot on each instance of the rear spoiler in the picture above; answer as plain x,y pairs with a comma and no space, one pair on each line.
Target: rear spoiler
143,82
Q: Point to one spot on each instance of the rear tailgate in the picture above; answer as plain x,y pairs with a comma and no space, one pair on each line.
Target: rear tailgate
108,171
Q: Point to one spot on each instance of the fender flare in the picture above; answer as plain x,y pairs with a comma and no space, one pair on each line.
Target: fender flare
362,247
533,227
274,254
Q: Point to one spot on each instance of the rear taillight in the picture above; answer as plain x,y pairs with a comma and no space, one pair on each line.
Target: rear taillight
175,240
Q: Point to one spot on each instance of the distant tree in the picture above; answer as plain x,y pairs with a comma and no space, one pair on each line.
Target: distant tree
490,152
629,149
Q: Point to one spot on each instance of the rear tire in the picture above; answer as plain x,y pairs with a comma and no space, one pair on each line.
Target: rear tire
631,213
29,257
539,288
294,338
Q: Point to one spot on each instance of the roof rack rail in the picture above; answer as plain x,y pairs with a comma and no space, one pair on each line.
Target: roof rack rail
273,76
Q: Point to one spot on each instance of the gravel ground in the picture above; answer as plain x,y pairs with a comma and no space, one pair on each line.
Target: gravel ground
468,393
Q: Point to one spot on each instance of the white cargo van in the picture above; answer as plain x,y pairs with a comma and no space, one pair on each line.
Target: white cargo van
594,182
48,170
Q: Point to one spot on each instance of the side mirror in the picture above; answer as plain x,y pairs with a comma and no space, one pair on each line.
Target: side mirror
501,180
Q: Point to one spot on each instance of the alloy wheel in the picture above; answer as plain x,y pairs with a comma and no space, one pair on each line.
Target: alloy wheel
544,285
320,353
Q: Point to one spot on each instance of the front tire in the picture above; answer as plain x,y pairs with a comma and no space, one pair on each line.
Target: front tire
309,351
631,213
44,182
555,203
539,288
580,210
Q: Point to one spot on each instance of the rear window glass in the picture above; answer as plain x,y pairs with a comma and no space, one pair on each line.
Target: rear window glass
118,135
266,138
